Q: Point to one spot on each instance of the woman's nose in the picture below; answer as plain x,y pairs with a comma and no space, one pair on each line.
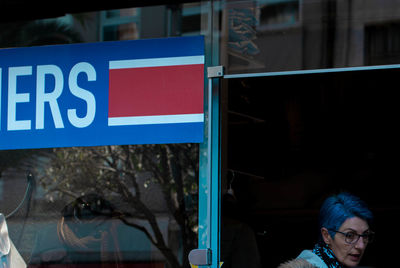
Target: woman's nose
361,244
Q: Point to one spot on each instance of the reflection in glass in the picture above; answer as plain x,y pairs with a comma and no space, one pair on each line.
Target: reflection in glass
106,205
274,14
287,35
103,206
121,12
294,139
126,31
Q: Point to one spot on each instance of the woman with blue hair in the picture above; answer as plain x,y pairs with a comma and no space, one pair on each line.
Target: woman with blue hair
344,223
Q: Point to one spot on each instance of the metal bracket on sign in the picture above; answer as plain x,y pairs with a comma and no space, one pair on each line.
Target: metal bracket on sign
215,71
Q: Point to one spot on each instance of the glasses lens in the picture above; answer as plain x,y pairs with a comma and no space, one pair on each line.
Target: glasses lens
351,237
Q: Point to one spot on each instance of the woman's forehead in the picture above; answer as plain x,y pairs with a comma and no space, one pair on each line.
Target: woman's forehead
356,224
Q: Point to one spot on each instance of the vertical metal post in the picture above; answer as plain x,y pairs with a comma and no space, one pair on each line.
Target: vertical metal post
214,74
207,253
209,184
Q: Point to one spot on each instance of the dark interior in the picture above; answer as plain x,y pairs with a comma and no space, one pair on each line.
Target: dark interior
293,140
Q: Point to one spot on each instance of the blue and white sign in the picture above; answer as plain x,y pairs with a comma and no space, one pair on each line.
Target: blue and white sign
125,92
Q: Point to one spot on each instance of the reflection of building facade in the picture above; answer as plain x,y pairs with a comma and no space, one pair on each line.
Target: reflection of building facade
299,35
312,106
302,113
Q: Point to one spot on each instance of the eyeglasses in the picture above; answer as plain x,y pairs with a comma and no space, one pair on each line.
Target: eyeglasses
352,237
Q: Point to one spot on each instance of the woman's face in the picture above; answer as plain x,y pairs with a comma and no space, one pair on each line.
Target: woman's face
348,254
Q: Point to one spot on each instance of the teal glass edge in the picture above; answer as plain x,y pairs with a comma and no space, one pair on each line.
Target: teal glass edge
209,171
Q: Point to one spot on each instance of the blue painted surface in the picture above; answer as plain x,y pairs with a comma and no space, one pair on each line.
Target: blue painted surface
19,69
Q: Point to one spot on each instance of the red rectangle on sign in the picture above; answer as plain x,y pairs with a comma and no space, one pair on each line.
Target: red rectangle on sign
149,91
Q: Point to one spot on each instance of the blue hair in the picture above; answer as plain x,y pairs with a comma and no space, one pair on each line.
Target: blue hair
337,209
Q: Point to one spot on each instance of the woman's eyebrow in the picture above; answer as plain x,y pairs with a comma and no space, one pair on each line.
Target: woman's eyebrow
352,230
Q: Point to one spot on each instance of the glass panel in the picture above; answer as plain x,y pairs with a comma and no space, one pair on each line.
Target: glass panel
275,14
135,206
284,35
134,23
294,140
131,205
122,12
126,31
289,141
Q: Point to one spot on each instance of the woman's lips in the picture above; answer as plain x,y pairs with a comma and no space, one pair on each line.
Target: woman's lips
355,257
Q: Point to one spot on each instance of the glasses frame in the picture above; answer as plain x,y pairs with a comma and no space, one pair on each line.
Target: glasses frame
367,237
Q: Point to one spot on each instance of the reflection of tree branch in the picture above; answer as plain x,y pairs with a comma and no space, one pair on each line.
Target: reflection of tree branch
64,191
131,166
107,168
181,216
162,175
102,157
150,217
170,170
115,169
139,227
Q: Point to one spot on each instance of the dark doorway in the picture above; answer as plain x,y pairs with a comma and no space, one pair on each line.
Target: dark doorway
293,140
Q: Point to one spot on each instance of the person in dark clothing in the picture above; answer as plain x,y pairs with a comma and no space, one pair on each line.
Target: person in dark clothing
238,241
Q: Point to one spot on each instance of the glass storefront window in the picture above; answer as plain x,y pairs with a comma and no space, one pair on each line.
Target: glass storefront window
309,103
286,35
135,23
294,140
127,12
132,205
127,31
121,24
276,14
